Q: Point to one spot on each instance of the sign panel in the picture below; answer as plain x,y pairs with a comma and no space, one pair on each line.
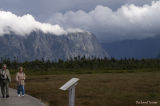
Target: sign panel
69,84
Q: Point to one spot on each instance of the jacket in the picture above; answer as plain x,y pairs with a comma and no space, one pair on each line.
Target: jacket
20,77
5,74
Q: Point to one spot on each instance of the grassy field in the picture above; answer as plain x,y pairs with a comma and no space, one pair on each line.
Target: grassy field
107,89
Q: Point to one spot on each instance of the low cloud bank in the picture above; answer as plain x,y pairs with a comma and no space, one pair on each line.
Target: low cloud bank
127,22
24,25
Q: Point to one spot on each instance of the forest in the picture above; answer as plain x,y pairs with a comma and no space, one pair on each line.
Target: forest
82,65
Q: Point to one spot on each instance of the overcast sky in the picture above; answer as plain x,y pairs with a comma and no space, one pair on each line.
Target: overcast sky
109,20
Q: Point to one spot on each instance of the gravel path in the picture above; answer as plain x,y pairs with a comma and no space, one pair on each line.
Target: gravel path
14,100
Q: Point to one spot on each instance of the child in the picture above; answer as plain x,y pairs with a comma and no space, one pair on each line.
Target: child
20,78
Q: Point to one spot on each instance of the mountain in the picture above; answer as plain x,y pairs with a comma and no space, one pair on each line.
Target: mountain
158,55
144,48
38,45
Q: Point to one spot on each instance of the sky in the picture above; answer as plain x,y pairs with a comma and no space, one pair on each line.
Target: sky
109,20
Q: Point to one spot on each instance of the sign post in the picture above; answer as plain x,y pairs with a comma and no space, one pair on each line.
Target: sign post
70,85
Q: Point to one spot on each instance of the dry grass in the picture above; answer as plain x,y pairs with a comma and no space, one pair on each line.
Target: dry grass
112,89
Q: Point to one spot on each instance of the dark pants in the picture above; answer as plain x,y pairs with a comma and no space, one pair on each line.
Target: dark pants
4,87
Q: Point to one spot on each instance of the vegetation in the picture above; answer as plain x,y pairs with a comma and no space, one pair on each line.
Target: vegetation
103,82
107,89
83,66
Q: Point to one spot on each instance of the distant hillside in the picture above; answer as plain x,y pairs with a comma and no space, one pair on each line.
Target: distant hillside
158,56
146,48
38,45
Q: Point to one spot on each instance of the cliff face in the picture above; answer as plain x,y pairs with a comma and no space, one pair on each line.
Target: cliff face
38,45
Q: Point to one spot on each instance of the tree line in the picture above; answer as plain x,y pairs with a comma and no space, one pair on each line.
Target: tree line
83,63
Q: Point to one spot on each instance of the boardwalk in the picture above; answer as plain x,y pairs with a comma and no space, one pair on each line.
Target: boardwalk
14,100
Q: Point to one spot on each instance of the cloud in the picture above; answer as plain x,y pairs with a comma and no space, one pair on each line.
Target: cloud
23,25
42,9
127,22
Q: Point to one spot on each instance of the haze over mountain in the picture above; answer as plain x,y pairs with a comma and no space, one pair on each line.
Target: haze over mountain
158,55
144,48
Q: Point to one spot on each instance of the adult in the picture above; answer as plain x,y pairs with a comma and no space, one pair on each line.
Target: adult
20,78
5,79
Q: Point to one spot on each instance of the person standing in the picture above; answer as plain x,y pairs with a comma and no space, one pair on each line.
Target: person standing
20,78
5,80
